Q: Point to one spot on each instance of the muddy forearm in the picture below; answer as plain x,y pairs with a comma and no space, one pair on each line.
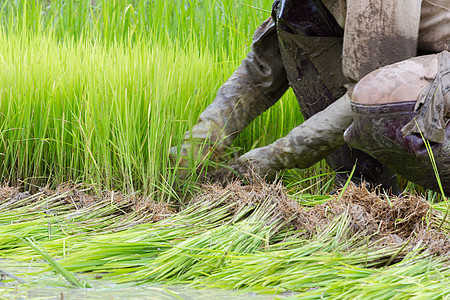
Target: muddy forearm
306,144
254,87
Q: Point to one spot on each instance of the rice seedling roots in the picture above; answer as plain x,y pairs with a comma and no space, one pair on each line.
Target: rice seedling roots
78,197
384,220
408,220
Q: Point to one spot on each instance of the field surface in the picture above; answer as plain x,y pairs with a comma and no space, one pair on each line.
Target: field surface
93,94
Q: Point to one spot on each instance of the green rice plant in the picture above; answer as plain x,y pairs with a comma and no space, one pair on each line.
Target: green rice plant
237,238
131,20
98,91
438,179
125,251
206,253
84,137
332,265
59,223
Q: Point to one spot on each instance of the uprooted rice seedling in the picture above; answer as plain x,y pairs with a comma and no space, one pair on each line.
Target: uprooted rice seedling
251,237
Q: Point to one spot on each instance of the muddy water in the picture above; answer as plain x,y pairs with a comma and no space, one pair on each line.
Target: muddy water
51,286
124,292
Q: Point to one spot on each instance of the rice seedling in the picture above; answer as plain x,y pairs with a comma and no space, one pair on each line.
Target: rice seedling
97,92
57,267
59,220
255,238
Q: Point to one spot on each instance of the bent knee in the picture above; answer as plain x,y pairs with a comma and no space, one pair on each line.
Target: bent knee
403,81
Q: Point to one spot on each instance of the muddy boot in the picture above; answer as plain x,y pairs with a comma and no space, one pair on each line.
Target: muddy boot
305,145
376,130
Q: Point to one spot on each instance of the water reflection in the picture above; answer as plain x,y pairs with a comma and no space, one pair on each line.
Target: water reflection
51,286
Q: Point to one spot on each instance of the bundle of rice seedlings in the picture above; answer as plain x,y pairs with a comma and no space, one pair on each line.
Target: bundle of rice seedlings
62,218
371,238
204,254
126,251
335,268
411,279
358,234
258,238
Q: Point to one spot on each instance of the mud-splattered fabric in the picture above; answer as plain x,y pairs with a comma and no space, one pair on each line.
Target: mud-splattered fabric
306,144
376,130
433,106
299,47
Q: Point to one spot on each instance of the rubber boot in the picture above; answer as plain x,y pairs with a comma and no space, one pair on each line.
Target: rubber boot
376,130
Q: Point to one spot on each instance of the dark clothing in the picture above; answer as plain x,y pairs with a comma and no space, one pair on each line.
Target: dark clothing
433,106
310,42
301,46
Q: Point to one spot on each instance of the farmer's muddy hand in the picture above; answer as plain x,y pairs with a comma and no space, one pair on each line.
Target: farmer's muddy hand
191,156
260,161
254,87
306,144
236,171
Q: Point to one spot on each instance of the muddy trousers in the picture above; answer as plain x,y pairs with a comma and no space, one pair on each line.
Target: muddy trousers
376,130
310,41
